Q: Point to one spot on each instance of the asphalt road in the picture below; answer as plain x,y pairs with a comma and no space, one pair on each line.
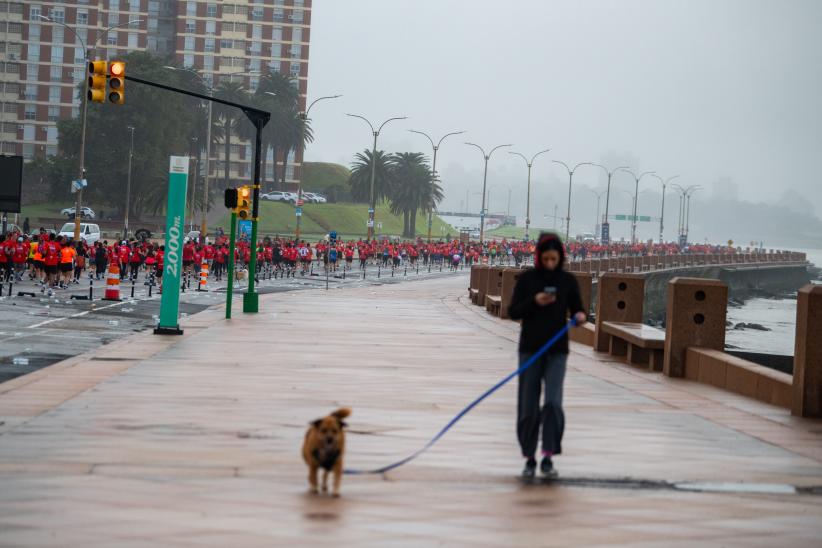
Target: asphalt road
38,331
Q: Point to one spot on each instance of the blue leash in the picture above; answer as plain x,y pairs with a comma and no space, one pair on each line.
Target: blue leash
469,407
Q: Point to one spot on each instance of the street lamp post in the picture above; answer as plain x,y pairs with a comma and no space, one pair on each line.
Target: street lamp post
636,195
599,197
484,181
529,163
128,183
684,210
372,203
88,51
665,183
570,183
436,147
605,236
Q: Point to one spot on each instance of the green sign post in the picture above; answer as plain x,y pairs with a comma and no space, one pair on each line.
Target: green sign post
172,259
229,293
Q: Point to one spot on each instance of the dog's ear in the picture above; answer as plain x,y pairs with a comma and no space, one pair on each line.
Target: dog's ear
316,423
343,424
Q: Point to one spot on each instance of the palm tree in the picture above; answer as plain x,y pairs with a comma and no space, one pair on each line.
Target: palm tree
412,189
360,179
229,119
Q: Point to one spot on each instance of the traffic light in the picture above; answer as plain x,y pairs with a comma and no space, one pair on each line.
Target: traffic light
97,81
231,195
117,82
244,203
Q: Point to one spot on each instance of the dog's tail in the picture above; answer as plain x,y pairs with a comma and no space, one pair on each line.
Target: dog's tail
341,413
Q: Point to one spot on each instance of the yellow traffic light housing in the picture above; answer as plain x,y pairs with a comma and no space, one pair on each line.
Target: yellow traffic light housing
244,203
97,81
117,82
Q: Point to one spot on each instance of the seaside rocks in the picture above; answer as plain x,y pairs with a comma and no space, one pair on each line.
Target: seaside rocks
755,326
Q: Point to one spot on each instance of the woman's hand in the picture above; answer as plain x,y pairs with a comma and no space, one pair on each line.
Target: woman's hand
543,299
579,318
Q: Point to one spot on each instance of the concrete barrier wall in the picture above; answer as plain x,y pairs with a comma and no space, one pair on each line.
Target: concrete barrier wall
509,281
807,365
619,298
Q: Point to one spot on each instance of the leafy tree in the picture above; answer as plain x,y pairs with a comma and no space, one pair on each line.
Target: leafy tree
164,124
360,179
413,189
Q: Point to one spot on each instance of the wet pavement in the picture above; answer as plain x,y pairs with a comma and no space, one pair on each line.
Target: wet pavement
195,440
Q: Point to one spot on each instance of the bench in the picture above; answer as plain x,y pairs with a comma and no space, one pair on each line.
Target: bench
640,344
493,304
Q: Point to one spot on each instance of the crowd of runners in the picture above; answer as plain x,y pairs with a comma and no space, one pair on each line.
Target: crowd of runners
57,262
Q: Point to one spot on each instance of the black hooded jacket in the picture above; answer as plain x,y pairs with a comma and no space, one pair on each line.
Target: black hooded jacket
540,323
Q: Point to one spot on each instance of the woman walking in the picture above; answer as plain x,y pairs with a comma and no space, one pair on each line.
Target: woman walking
543,298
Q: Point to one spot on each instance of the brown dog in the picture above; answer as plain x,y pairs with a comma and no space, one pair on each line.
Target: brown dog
324,447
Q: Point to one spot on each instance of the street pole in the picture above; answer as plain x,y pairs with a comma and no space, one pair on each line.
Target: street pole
128,184
88,51
484,181
637,179
665,183
436,147
570,184
529,163
605,227
251,299
204,223
231,243
372,202
304,118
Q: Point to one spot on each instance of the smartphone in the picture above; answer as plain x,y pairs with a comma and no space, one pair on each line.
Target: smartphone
551,290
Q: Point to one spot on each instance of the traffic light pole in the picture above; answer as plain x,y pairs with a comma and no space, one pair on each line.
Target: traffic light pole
259,118
231,244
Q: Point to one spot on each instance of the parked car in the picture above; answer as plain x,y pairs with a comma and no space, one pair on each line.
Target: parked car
314,198
280,196
89,233
85,212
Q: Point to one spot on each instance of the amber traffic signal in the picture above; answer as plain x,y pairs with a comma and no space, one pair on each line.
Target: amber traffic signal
117,82
244,203
97,81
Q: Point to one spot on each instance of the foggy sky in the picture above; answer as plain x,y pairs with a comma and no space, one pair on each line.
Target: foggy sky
708,89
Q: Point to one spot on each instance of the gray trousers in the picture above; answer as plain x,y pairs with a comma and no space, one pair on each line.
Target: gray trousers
549,370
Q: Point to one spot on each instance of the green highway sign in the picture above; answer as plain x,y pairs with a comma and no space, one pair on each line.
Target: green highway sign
638,218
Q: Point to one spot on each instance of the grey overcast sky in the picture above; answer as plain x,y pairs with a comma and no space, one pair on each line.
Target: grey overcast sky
707,89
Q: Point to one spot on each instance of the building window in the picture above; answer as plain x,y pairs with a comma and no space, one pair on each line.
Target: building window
277,33
113,19
54,113
279,14
82,17
188,60
30,112
276,50
226,43
58,15
51,150
211,27
58,35
257,14
208,63
297,35
211,10
296,50
31,72
56,54
189,43
54,94
31,92
28,132
297,16
56,73
35,12
274,66
34,32
191,26
257,32
254,65
299,3
256,48
34,52
111,39
28,151
289,173
114,5
79,56
133,5
295,69
209,45
132,40
191,8
51,134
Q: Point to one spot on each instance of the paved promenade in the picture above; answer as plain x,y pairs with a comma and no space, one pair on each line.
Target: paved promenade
195,440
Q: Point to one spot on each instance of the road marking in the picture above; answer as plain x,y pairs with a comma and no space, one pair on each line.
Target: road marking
75,315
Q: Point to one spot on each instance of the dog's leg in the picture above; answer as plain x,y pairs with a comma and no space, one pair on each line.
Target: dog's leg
325,481
338,470
312,477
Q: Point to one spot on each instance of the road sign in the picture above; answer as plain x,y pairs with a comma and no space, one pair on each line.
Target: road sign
245,229
370,210
638,218
606,233
298,212
299,203
169,323
78,185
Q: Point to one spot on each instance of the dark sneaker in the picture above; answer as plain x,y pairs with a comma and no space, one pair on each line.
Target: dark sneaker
547,468
530,469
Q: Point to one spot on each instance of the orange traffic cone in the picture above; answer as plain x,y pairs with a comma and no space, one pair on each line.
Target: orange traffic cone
112,283
203,276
